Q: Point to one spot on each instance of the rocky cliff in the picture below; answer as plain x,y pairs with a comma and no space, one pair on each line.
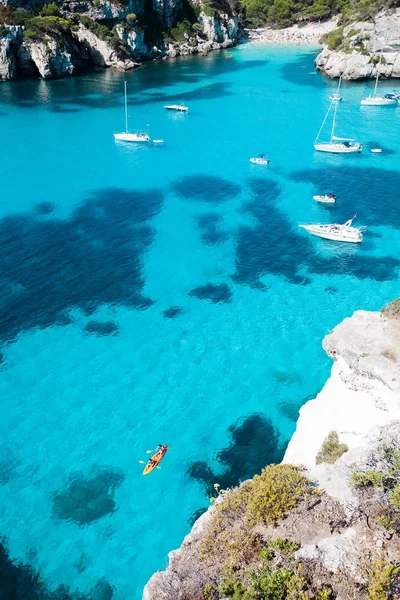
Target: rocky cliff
358,47
84,34
330,531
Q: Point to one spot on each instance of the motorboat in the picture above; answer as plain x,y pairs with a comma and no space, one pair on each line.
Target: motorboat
336,96
228,56
158,141
259,160
178,107
327,198
376,150
336,145
126,136
337,232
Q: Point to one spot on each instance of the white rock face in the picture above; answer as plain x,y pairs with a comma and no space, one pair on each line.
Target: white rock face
51,58
102,53
101,10
7,52
361,395
134,40
382,34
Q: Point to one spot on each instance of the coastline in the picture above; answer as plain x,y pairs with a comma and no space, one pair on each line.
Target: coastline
309,35
360,403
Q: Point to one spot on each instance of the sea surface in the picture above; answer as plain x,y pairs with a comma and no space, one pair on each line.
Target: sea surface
164,294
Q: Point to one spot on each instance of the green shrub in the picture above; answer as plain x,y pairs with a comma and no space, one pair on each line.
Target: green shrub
38,27
331,449
232,588
284,545
381,578
334,39
131,18
392,310
387,524
274,493
50,10
394,497
4,31
178,32
367,479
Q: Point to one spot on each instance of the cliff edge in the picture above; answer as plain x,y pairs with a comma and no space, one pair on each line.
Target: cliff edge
363,48
325,529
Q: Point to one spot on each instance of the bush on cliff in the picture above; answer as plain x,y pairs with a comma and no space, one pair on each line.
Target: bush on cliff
38,27
334,39
50,10
331,449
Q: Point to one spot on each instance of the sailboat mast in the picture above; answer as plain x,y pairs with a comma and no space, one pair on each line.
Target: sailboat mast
334,122
126,111
377,73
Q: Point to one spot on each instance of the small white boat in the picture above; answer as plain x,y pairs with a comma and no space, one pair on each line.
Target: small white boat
336,232
259,160
376,150
158,141
336,96
126,136
326,198
179,107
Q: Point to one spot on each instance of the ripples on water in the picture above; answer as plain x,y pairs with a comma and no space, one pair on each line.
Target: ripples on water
166,295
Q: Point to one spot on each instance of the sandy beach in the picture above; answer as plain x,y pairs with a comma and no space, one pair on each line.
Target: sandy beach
308,35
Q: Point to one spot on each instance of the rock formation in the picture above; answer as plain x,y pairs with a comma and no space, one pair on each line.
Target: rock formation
108,34
357,57
345,539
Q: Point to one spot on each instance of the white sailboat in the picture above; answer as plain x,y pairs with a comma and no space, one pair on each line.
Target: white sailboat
130,137
374,100
336,232
336,145
336,96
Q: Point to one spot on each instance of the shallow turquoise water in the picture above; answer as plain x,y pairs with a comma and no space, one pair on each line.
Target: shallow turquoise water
92,230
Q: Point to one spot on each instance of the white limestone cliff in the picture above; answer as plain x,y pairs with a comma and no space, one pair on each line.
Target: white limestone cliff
8,42
363,43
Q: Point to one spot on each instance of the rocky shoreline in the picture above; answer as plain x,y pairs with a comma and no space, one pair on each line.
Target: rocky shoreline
76,42
361,403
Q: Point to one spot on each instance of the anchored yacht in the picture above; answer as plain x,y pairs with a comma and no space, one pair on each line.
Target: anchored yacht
126,136
336,232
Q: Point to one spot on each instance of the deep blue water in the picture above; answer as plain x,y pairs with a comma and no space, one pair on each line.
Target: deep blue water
165,294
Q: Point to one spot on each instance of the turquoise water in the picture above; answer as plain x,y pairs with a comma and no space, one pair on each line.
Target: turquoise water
165,294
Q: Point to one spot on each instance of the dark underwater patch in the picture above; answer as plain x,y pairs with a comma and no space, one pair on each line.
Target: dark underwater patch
331,289
219,294
299,71
45,208
275,246
93,258
208,224
19,581
290,408
86,500
8,465
172,312
196,515
101,328
206,188
255,444
287,377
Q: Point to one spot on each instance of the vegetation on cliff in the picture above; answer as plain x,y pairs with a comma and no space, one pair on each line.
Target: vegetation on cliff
282,13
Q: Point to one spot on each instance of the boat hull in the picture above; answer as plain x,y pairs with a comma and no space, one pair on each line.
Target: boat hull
377,101
332,236
338,148
258,161
178,108
154,461
325,199
131,137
